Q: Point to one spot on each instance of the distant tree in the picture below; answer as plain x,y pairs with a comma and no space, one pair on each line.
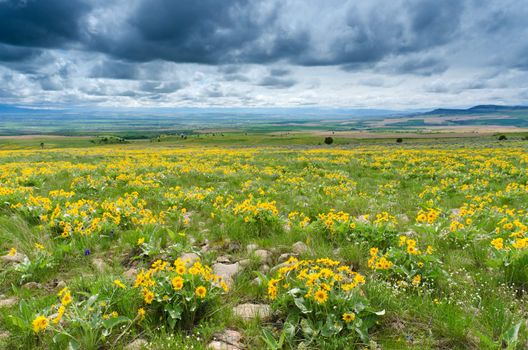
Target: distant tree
328,140
525,138
502,137
42,145
399,140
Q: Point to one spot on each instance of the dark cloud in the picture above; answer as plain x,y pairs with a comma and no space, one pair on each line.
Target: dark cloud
425,66
114,70
41,23
277,83
10,53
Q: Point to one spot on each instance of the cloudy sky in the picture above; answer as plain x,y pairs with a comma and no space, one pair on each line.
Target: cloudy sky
396,54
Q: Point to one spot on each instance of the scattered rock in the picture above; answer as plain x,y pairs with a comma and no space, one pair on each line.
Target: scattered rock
264,268
300,248
189,258
8,302
233,246
263,255
224,259
131,273
4,335
251,311
284,257
227,272
257,281
99,264
137,344
16,258
251,248
363,219
229,340
32,285
403,218
245,262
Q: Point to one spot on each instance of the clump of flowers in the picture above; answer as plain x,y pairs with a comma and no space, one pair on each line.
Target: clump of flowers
321,299
408,264
179,294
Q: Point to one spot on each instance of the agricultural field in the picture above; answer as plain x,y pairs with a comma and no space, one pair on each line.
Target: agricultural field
420,245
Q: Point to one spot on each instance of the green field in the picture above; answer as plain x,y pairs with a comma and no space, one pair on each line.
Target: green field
364,243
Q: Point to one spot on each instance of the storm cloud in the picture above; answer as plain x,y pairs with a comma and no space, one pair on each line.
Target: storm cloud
251,53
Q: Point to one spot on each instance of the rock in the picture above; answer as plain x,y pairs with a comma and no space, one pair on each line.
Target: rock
264,268
403,218
251,248
263,255
99,264
284,257
8,302
5,335
251,311
32,285
233,246
245,262
363,219
257,281
137,344
227,272
300,248
131,273
16,258
277,267
229,340
224,259
189,258
60,285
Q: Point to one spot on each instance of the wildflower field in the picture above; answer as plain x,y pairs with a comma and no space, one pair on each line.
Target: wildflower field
408,246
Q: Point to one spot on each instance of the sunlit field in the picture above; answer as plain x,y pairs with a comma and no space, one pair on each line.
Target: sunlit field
401,246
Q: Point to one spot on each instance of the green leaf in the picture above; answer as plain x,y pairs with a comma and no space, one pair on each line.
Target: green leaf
299,302
114,321
512,335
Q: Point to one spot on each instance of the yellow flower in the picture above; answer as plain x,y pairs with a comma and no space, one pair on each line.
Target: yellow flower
498,243
349,317
416,280
180,269
39,324
12,252
39,246
148,296
66,298
60,313
119,284
141,313
201,292
321,296
177,283
140,241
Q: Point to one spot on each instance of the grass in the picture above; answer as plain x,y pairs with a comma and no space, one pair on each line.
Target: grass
471,295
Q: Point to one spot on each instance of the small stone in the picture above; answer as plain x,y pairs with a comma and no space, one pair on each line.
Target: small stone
32,285
245,262
250,311
227,272
16,258
224,259
264,268
131,273
137,344
300,248
284,257
220,345
189,258
257,281
8,302
263,255
99,264
229,339
251,248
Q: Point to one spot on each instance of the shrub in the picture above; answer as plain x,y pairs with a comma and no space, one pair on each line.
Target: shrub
321,301
399,140
329,140
502,137
178,295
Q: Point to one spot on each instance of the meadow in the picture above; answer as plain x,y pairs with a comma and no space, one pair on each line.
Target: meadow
233,245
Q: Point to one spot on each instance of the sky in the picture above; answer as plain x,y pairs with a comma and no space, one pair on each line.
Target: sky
397,54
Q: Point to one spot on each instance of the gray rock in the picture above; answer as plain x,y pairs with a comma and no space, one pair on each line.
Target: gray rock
245,262
8,302
224,259
189,258
263,255
228,340
99,265
131,273
300,248
250,311
251,248
264,268
16,258
284,257
32,285
137,344
227,272
60,285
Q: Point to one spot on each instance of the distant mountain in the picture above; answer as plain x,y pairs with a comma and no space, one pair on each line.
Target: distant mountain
477,109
